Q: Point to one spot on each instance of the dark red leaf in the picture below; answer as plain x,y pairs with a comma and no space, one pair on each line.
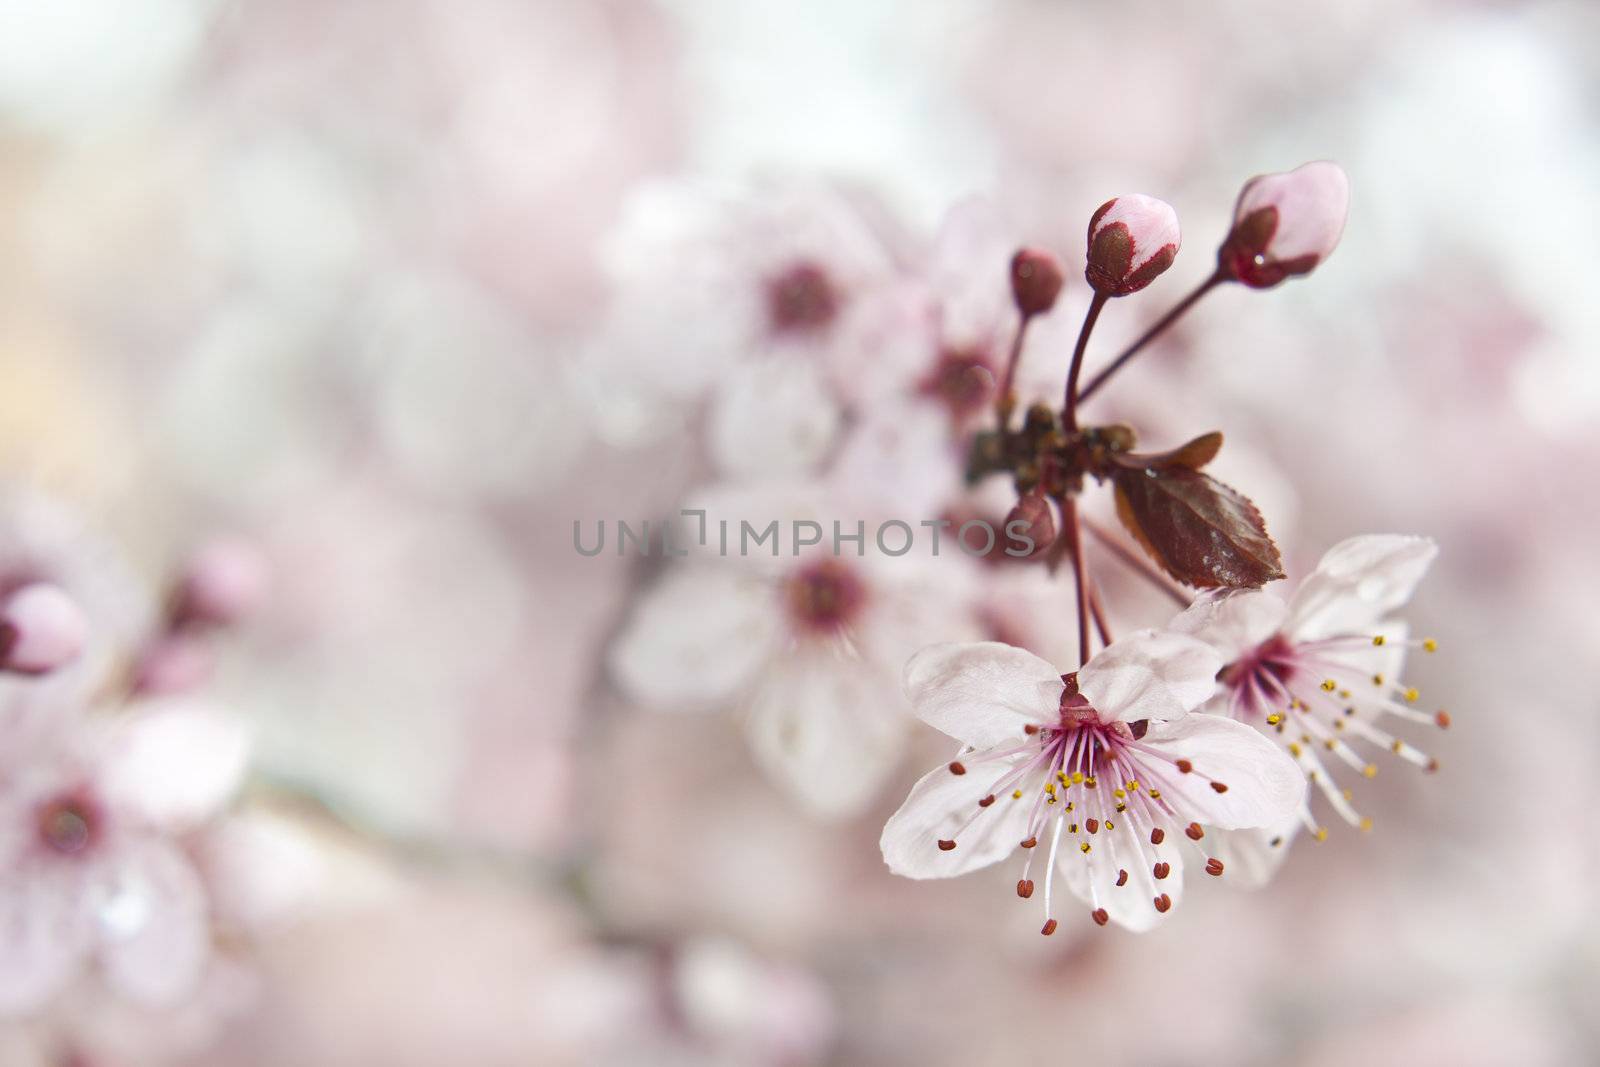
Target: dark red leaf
1200,531
1194,455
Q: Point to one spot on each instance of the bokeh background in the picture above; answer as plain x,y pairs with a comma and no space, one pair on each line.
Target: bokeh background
398,289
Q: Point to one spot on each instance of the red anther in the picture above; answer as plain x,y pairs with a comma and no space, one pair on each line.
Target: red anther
1161,870
1218,787
1163,903
1049,927
986,801
1091,825
957,768
1214,868
1185,766
1030,842
1122,877
1443,719
1025,888
1194,831
1100,916
1157,836
946,846
1030,729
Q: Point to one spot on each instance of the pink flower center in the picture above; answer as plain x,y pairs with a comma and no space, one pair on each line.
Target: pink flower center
802,299
825,597
70,824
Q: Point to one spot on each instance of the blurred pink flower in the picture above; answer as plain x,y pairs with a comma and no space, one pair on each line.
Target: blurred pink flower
41,629
88,864
1320,668
1285,224
809,645
1033,739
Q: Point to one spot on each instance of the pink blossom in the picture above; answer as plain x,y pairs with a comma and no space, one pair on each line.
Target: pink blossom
1285,224
1106,756
89,868
41,629
1132,240
1320,673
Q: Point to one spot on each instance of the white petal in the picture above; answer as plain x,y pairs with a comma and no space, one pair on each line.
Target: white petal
696,638
1150,675
940,805
772,418
1092,876
984,693
1358,582
177,763
1231,622
44,933
154,932
1264,787
1251,857
828,730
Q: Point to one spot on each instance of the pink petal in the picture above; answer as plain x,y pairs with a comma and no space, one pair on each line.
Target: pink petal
154,932
1357,583
982,694
45,932
1312,202
938,809
1232,622
1263,785
176,763
223,581
1150,675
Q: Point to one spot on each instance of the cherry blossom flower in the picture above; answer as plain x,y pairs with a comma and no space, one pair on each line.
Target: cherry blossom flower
1321,672
1132,240
89,866
807,643
1285,224
1106,756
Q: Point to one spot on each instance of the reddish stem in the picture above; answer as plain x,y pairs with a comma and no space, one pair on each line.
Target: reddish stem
1080,577
1004,402
1152,333
1069,412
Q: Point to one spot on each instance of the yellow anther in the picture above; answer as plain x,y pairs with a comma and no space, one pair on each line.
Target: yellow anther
1429,645
1366,824
1077,777
1122,808
1370,770
1412,695
1294,750
1084,848
1377,639
1133,785
1050,787
1397,746
1377,679
1155,794
1069,805
1111,825
1016,794
1348,796
1344,694
1274,719
1329,685
1320,833
1088,783
1328,744
1119,794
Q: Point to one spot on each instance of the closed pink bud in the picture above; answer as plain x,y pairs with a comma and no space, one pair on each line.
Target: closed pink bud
41,629
1036,279
1132,239
223,581
1031,527
1285,224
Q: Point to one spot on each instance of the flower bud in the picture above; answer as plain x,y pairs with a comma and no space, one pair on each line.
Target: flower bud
1285,224
222,582
1037,523
1132,239
1036,278
41,629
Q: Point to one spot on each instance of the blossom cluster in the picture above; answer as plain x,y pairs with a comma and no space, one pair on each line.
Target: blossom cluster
855,387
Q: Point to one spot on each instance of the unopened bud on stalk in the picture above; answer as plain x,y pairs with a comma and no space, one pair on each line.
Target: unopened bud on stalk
1036,279
1033,520
41,629
1132,239
1285,224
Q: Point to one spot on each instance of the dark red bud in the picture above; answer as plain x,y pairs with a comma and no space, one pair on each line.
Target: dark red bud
1036,279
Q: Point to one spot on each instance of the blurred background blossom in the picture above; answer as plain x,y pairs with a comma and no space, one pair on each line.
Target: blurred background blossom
393,292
